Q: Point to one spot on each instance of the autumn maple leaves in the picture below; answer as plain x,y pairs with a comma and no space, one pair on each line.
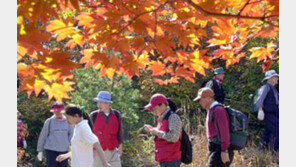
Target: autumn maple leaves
172,39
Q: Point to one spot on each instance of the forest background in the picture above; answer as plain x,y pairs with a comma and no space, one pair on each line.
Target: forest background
244,73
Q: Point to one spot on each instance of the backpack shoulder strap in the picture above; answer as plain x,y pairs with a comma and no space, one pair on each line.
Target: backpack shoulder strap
212,118
116,112
49,127
268,87
93,116
215,84
166,117
212,111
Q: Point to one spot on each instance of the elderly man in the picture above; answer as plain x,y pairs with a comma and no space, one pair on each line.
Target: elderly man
216,84
268,105
107,126
220,153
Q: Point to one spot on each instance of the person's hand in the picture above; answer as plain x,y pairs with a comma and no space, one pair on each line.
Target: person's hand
107,165
148,128
25,144
61,158
260,115
120,150
225,157
153,131
39,156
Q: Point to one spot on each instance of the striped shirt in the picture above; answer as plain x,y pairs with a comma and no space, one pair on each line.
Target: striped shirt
175,127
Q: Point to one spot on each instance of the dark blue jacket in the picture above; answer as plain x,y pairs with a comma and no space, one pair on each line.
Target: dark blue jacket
219,91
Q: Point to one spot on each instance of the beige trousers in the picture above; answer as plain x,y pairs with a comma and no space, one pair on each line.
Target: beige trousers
112,158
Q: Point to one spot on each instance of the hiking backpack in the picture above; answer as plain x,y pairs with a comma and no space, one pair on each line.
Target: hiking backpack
238,127
253,107
186,146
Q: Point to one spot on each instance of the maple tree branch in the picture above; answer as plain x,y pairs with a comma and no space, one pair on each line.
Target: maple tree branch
124,5
91,6
246,4
205,12
137,16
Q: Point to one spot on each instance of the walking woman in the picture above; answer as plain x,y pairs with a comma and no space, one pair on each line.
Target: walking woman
55,137
168,131
83,139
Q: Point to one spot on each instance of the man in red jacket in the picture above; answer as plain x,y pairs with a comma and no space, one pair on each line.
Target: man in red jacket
108,128
220,153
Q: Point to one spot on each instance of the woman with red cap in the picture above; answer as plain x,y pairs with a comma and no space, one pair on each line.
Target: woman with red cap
168,131
55,137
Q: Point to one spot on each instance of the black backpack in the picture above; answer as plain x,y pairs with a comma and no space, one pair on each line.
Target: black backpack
186,146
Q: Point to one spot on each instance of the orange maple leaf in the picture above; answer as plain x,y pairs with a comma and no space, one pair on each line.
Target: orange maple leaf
30,42
131,64
261,52
91,57
59,61
224,31
184,73
108,66
167,81
58,90
64,29
157,68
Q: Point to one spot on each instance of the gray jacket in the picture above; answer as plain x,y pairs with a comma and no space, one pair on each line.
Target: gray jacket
55,135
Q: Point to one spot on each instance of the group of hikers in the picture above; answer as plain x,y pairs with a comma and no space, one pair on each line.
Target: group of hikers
96,139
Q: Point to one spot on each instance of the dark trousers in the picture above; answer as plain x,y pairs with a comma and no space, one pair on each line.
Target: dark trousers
215,156
51,159
170,163
270,138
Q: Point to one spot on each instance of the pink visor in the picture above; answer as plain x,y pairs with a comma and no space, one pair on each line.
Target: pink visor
57,108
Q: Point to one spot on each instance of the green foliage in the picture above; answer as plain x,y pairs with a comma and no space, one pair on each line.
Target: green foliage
125,98
34,110
139,150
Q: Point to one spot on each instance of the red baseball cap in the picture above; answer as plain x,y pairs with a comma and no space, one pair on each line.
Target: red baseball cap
155,100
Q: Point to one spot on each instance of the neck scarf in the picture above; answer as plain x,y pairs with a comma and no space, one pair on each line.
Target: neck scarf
218,80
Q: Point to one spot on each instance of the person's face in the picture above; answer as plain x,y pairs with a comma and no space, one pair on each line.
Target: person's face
204,102
72,120
103,106
275,80
159,109
58,113
220,76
